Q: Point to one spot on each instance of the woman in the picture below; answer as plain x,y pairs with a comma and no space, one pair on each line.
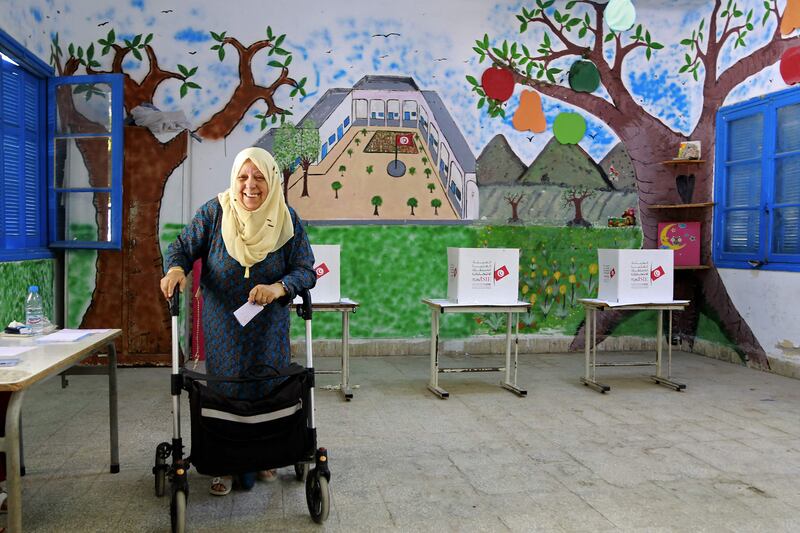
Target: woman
254,248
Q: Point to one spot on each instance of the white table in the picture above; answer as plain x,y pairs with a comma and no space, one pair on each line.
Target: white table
592,305
44,361
346,307
446,306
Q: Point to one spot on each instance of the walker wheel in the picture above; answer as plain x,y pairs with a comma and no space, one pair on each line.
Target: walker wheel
318,496
160,468
177,511
301,471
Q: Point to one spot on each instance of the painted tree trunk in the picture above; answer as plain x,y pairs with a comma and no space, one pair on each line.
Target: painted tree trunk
649,143
127,294
578,203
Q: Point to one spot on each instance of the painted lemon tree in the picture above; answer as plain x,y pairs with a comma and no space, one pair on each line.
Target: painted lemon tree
576,29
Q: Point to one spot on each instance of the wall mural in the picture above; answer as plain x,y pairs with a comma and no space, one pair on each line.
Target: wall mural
578,33
117,299
17,277
549,128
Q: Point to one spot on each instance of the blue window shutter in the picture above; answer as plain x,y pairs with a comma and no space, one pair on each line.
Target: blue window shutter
757,183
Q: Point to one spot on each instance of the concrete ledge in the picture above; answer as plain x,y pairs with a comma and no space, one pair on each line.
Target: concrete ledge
478,344
496,345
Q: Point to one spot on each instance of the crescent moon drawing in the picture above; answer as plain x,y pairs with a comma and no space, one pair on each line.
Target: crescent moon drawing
665,242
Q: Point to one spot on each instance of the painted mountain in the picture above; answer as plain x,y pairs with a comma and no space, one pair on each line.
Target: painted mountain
618,167
498,164
567,165
535,196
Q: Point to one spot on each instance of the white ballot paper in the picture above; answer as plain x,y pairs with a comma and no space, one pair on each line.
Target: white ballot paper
246,312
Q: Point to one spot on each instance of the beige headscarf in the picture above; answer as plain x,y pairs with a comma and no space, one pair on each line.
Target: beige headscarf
250,235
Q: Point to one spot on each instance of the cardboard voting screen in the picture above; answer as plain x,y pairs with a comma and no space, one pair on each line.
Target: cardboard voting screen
636,276
483,275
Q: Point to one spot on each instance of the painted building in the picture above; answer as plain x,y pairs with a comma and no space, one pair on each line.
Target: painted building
397,102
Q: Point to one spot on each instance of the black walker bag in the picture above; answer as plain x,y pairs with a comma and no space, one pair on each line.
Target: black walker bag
231,436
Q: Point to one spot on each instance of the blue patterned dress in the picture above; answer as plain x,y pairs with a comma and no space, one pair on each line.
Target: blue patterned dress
230,348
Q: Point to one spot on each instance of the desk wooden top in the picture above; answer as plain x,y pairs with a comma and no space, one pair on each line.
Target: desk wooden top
345,304
448,306
674,305
46,360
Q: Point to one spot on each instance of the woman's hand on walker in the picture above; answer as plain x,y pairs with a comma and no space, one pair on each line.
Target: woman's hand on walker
172,279
266,294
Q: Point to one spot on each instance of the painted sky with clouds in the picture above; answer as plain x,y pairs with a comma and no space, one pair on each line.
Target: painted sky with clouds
336,43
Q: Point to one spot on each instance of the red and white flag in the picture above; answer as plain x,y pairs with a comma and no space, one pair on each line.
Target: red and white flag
321,270
404,139
500,273
656,273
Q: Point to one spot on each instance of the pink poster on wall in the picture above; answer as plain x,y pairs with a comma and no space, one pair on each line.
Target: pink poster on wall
683,238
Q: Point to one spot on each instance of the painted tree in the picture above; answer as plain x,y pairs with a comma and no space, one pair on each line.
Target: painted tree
377,201
342,170
431,187
412,203
575,196
117,301
514,200
350,152
369,169
576,30
412,170
357,141
285,150
428,173
308,140
436,204
336,185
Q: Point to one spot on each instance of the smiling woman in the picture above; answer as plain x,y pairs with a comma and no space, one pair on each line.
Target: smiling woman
253,248
252,186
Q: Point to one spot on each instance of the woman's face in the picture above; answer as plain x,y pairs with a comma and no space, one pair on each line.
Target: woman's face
252,186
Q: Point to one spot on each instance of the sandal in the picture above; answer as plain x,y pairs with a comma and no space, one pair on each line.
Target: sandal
220,486
268,475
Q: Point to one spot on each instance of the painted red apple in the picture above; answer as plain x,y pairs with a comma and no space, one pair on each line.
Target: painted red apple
790,65
498,83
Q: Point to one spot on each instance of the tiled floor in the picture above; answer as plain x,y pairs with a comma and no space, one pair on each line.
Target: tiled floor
722,456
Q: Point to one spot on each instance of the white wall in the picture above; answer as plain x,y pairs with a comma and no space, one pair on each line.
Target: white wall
770,304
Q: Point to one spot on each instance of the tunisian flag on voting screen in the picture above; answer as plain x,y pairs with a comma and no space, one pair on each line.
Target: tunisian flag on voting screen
404,139
321,270
500,273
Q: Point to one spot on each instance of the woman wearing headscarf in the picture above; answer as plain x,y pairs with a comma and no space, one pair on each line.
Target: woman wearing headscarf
254,248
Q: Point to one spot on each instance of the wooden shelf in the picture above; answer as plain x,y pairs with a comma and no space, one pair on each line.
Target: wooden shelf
683,162
693,267
681,206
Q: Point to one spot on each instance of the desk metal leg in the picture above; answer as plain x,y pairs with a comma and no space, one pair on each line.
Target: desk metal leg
433,385
659,378
113,421
590,352
345,388
507,384
12,450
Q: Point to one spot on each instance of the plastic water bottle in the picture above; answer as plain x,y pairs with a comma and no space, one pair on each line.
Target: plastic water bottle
34,315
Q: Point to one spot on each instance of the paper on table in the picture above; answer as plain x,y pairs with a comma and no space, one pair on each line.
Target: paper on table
13,351
246,312
624,303
65,335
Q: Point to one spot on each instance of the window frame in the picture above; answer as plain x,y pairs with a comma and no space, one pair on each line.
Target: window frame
116,83
763,259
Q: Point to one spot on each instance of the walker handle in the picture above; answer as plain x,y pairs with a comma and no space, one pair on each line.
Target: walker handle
175,301
304,309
